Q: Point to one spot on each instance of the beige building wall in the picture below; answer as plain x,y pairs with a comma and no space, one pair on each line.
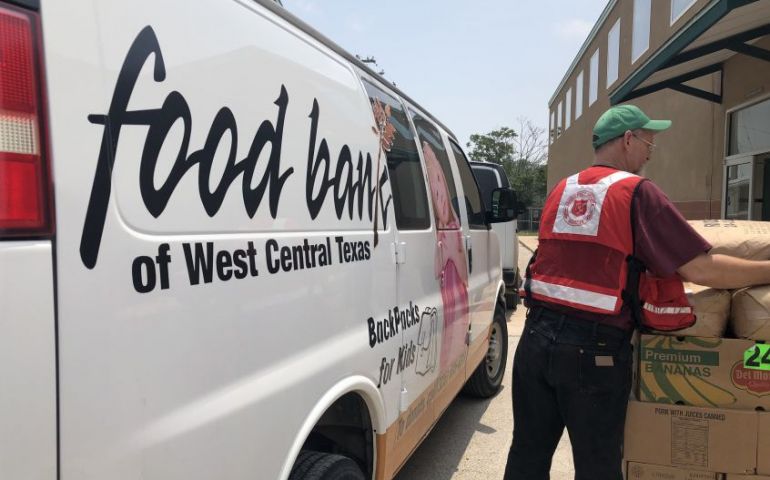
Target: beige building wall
749,78
688,161
682,163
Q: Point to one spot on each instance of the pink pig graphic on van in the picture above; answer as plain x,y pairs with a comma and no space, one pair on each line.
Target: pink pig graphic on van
450,265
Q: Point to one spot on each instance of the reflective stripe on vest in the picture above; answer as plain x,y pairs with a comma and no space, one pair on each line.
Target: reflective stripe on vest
667,310
666,306
586,298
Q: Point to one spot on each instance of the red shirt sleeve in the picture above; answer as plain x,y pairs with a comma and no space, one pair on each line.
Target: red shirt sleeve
663,240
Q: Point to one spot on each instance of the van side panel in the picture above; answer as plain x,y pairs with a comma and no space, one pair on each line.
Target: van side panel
216,268
27,361
219,284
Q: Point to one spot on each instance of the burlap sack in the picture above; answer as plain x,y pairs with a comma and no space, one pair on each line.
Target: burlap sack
750,316
739,238
712,309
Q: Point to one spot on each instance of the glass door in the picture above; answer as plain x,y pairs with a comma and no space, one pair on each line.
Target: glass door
762,187
746,190
747,186
738,188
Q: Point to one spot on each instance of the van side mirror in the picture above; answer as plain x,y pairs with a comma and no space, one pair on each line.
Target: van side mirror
505,207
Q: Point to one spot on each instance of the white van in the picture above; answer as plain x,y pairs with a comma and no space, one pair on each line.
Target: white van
228,250
491,176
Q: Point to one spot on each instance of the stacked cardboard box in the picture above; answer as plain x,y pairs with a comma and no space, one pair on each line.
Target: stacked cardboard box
699,413
691,438
643,471
701,372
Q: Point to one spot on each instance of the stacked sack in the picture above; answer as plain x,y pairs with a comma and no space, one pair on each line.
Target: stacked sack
698,411
750,313
712,310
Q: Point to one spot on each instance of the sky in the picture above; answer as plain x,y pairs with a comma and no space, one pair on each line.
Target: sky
475,65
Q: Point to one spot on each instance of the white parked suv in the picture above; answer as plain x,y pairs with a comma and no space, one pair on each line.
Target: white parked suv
490,176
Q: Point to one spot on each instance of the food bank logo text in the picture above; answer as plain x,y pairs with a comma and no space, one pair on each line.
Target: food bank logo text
353,189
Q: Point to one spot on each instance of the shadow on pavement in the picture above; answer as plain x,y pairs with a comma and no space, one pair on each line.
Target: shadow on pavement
443,450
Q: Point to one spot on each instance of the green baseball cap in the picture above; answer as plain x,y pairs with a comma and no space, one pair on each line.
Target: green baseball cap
615,121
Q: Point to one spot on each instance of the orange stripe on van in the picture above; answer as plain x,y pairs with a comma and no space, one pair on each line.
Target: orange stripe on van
393,450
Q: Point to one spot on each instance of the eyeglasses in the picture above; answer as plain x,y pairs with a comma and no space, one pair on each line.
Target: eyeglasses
650,146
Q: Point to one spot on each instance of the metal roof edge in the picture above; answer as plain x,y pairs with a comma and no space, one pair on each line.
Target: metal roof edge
697,25
594,31
31,4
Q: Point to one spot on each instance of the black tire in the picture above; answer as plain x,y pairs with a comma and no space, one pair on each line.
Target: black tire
512,300
324,466
487,379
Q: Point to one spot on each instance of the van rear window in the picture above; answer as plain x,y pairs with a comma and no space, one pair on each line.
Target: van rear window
487,181
473,202
410,198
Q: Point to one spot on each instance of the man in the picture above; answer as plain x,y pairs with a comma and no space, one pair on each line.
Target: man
585,292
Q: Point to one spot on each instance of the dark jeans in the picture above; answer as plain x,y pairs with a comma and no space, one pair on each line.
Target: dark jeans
568,372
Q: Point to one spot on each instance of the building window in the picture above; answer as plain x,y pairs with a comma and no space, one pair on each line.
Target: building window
593,79
750,129
568,110
640,37
559,119
579,95
678,7
552,136
613,53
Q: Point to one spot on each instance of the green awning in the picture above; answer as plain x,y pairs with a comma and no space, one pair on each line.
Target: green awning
675,62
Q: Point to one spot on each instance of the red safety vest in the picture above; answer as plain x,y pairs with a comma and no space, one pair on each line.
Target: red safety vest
585,242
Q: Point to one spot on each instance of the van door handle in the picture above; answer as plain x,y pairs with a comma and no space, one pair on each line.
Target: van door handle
398,252
469,249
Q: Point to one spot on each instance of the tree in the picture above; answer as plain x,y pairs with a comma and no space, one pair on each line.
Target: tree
531,142
496,146
523,155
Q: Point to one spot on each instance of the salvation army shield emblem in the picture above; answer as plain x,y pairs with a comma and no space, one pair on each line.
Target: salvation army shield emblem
579,208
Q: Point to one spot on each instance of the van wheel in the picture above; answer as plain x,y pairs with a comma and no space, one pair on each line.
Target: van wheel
488,377
324,466
512,300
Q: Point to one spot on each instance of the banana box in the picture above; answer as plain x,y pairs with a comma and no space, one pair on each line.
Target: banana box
643,471
698,371
763,448
692,438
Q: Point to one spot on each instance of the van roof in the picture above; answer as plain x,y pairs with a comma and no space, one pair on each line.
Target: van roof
297,22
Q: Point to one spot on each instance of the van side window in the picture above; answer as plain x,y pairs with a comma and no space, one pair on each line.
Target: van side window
440,178
474,205
410,198
503,177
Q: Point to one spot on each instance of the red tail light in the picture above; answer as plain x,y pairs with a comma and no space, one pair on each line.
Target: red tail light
24,187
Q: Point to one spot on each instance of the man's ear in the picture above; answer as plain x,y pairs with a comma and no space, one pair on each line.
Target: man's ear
627,138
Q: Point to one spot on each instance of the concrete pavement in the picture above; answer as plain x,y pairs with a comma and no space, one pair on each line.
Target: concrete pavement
526,244
471,440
